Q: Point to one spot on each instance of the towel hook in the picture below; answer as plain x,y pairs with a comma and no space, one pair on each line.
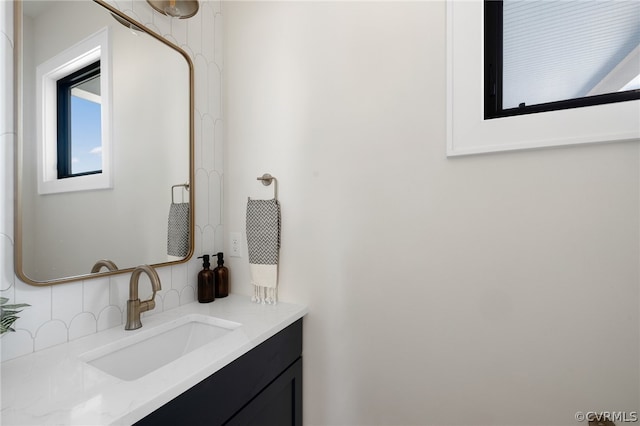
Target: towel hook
186,186
266,181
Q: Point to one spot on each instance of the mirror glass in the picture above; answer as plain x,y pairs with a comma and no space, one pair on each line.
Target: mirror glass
146,129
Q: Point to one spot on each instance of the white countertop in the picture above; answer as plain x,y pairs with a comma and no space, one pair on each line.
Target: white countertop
53,386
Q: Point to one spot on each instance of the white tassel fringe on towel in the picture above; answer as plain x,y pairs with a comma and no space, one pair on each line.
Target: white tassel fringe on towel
263,243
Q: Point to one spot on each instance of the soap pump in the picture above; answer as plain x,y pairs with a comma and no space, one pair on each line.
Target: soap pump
221,274
206,282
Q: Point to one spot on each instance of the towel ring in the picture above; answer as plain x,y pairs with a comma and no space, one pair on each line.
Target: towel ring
186,186
266,181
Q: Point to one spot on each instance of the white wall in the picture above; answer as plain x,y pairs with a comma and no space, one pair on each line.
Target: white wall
484,290
69,311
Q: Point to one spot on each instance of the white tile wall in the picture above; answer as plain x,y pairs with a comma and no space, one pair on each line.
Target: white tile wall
68,311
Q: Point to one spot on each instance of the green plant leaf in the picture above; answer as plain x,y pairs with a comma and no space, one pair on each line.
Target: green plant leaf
6,324
16,306
8,314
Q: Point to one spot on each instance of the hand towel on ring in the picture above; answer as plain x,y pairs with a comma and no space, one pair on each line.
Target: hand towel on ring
263,244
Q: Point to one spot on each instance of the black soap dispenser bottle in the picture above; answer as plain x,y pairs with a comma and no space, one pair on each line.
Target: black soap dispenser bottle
221,274
206,282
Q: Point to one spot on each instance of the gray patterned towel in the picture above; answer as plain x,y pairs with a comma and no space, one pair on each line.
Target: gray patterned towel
178,234
263,244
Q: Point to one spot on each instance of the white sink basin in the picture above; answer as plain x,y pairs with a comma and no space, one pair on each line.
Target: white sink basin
149,349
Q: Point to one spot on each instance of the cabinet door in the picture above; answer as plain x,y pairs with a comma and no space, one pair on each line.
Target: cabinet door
279,404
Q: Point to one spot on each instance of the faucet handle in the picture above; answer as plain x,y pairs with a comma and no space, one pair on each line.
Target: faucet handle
148,305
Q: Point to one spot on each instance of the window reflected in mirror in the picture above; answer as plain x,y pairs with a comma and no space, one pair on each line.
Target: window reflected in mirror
80,123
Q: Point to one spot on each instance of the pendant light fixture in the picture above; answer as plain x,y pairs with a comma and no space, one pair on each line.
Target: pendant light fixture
181,9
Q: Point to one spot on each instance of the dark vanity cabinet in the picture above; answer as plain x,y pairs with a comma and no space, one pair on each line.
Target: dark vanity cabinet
262,387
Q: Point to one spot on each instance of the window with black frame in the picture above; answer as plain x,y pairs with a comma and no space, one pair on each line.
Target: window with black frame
543,55
79,123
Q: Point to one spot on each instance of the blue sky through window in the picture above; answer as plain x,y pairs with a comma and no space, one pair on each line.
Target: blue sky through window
86,136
